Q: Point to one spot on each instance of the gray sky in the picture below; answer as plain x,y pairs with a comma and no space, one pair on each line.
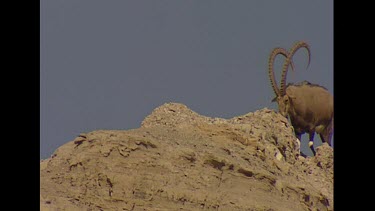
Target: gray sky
108,64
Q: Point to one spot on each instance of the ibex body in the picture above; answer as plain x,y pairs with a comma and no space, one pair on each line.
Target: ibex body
309,106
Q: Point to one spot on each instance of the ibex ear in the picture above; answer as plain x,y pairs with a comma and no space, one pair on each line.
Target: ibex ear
274,99
292,96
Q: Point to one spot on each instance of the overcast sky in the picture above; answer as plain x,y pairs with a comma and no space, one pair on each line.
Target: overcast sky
108,64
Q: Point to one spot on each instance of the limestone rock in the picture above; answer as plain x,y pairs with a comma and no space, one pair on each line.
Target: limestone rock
180,160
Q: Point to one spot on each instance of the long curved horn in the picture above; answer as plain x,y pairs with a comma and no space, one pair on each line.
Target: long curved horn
288,61
271,72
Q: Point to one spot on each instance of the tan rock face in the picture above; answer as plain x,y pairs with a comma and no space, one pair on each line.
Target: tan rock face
180,160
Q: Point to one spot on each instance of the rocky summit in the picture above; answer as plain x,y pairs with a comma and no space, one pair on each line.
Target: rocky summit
181,160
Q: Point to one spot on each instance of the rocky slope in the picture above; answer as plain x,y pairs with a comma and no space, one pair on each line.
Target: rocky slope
180,160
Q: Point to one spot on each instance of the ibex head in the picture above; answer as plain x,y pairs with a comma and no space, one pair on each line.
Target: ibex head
284,104
282,99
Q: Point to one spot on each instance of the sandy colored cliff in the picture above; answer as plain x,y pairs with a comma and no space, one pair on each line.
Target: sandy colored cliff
180,160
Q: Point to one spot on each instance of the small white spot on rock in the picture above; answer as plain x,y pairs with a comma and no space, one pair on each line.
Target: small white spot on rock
279,156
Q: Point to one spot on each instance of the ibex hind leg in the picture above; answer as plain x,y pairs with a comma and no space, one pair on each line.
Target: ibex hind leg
326,136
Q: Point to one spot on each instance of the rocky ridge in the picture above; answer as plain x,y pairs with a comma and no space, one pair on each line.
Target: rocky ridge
180,160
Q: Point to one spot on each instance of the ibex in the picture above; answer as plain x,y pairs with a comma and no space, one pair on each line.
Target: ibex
309,106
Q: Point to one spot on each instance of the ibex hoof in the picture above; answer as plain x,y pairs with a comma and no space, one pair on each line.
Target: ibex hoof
311,143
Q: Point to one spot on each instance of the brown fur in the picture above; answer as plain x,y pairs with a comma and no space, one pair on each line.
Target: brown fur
310,109
309,106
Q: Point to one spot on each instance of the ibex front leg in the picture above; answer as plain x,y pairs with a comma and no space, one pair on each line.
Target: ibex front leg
298,136
311,142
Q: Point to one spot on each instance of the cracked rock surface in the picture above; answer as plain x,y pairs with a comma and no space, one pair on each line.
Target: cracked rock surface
180,160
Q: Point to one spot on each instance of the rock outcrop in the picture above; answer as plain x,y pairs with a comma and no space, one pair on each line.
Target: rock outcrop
180,160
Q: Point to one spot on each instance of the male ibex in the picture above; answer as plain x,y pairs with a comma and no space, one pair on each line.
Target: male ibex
309,106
